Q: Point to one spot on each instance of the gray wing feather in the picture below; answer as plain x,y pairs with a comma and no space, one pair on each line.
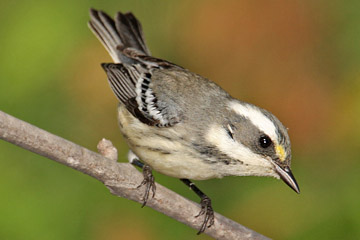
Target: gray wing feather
120,81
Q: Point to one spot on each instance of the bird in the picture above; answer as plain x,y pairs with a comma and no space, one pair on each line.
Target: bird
183,125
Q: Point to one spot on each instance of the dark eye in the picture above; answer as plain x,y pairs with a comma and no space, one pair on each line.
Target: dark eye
265,141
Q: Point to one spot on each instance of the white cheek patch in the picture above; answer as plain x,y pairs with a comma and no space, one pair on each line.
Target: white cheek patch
218,136
256,117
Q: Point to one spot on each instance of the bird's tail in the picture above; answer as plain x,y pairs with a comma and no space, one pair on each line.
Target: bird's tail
122,37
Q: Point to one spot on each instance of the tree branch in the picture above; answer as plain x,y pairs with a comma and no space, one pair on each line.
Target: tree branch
120,178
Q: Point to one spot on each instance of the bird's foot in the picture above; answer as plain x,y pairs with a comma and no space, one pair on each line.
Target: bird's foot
149,182
207,210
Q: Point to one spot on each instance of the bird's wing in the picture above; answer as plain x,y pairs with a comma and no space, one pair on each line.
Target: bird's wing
130,77
132,85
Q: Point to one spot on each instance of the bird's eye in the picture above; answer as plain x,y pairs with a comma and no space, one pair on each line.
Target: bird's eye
265,141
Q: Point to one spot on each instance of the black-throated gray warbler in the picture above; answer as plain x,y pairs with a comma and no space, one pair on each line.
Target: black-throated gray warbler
183,125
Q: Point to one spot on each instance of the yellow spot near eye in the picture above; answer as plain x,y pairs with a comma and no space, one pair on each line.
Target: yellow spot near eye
280,151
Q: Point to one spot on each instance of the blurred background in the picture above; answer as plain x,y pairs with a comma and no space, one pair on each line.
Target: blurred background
298,59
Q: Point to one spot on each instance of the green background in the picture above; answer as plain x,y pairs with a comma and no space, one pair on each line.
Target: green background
298,59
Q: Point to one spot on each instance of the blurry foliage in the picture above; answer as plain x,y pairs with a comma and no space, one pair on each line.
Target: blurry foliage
299,59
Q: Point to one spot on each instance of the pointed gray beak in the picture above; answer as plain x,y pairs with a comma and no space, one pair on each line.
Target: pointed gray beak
287,176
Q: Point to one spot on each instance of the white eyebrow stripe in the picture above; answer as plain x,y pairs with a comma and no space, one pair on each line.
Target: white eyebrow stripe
256,117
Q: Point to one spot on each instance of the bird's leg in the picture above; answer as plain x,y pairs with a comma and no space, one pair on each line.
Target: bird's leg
148,181
206,208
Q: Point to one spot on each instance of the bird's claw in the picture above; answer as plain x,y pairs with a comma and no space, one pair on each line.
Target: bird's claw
207,210
149,182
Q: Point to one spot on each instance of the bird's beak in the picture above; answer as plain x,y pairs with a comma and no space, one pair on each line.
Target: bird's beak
287,176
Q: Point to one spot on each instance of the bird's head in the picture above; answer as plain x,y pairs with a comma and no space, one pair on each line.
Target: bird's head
257,140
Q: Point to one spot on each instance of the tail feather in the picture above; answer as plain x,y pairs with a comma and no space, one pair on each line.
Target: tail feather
130,31
104,29
116,36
